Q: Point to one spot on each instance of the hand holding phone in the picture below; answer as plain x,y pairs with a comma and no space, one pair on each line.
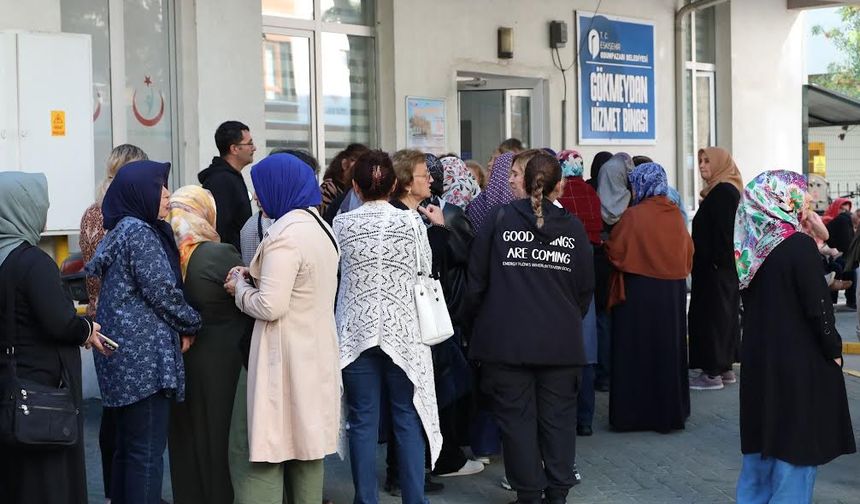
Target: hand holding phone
108,343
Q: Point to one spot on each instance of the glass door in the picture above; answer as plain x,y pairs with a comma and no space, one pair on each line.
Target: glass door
518,115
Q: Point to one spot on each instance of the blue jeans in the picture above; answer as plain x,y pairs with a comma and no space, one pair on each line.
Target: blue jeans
138,463
363,382
772,481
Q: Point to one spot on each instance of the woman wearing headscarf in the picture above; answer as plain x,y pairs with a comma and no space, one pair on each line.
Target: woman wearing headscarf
713,319
530,283
498,191
293,381
652,253
199,426
92,233
46,337
793,405
613,190
673,194
478,172
581,200
459,186
143,309
596,164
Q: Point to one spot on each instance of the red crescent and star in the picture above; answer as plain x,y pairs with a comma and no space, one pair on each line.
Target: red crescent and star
147,121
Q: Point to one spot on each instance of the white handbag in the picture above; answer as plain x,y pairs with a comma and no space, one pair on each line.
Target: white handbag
434,321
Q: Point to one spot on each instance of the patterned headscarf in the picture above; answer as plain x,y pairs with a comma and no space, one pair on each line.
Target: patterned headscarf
648,180
437,172
769,212
612,187
459,184
723,169
498,191
192,216
571,163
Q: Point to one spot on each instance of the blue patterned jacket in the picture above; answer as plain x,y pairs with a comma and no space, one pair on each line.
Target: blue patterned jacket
141,309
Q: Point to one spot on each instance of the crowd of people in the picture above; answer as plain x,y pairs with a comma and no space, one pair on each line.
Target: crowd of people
252,343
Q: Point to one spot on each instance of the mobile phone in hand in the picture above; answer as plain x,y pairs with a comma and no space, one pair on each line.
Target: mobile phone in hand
109,343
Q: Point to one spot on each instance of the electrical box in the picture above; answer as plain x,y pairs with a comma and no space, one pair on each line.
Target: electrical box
46,118
557,34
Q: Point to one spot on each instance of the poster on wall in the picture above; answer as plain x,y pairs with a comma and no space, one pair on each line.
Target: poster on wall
425,124
617,89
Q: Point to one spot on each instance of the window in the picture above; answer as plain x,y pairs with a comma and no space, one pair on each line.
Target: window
700,122
319,73
133,89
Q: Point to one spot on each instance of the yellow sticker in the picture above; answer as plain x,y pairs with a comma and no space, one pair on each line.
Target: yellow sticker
58,123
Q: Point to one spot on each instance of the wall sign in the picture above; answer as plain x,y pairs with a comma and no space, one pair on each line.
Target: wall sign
617,89
425,124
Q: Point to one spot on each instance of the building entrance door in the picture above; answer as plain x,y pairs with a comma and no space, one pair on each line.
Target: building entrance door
511,107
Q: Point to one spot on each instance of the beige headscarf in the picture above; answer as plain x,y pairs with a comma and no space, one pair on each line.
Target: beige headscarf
192,216
723,169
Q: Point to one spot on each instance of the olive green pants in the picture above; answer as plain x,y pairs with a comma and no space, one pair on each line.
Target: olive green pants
290,482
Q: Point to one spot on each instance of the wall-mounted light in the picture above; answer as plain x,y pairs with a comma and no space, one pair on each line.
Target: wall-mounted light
506,42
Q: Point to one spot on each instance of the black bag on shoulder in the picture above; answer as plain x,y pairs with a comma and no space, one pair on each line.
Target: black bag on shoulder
32,415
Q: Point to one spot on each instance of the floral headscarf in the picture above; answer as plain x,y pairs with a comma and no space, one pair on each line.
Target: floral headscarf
192,216
458,183
769,212
647,180
434,167
498,191
571,163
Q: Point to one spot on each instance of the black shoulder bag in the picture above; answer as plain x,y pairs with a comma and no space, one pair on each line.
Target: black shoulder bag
32,415
330,237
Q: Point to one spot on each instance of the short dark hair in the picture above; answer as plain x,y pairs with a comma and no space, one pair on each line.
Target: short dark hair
514,145
335,168
373,173
304,155
229,133
638,160
542,174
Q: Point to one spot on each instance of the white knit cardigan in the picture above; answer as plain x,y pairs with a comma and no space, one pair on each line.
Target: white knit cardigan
375,303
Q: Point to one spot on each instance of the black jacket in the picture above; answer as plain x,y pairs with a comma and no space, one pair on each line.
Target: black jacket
231,199
530,287
841,232
459,243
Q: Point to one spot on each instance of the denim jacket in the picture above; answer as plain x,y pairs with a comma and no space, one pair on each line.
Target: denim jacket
141,308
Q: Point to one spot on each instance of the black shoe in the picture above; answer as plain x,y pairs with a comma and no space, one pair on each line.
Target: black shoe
584,430
392,487
430,486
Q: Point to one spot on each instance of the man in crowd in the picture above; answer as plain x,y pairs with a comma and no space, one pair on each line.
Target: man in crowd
223,178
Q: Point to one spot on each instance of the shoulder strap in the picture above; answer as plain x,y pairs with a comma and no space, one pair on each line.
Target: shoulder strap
320,222
417,236
260,226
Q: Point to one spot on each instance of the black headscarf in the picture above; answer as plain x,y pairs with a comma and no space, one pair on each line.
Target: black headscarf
596,164
136,192
437,171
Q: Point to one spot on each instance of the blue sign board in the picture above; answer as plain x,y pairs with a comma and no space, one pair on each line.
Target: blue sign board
617,89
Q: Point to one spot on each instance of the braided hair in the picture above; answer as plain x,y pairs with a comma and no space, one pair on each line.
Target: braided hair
542,174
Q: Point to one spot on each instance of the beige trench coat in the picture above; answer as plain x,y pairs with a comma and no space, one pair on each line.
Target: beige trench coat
294,381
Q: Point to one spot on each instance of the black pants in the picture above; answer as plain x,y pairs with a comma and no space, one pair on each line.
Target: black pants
535,407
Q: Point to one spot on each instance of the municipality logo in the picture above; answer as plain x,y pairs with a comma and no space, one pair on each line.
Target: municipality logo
593,43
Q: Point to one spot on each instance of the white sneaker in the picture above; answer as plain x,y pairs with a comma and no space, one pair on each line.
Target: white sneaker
483,460
505,484
470,467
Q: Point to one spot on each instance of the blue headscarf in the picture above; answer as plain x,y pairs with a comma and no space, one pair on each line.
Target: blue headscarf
647,180
284,183
136,192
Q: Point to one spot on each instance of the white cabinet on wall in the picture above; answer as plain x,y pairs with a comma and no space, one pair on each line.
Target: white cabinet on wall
46,118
